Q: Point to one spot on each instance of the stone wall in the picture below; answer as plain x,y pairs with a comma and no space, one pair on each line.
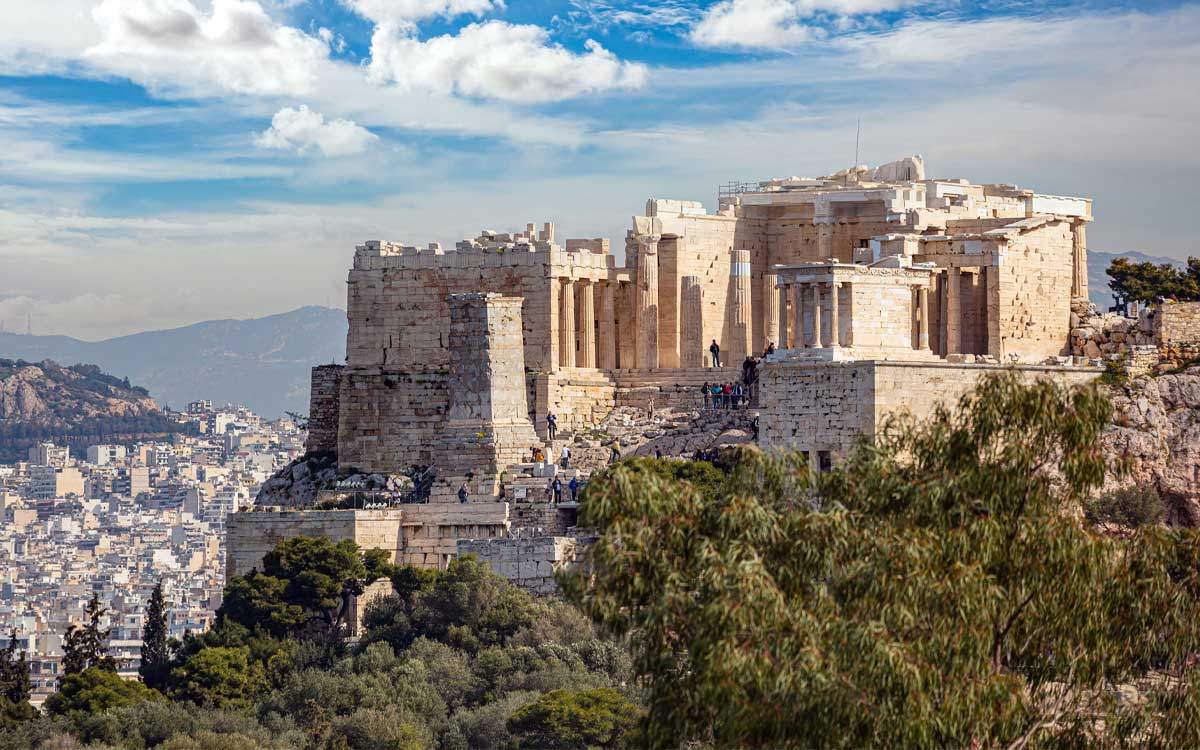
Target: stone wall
390,420
1033,291
529,563
324,406
1177,323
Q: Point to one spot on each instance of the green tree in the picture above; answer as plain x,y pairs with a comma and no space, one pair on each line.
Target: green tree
87,646
1147,282
934,590
95,690
219,677
14,673
156,653
562,720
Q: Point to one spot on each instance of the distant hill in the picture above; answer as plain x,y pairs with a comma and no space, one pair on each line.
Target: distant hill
262,362
76,406
1098,263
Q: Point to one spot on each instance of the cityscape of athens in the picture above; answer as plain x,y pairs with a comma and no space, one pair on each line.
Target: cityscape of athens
828,377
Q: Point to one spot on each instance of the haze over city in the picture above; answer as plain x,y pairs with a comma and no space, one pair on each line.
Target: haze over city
169,161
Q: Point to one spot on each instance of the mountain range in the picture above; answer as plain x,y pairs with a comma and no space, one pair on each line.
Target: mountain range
262,363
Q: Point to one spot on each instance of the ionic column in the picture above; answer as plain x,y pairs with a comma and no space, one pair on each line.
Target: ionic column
817,342
608,326
692,316
835,333
923,311
742,322
647,303
782,295
566,325
953,321
587,324
1079,280
798,339
771,315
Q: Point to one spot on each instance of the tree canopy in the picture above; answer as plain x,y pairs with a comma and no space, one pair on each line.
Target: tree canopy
1148,282
86,647
936,589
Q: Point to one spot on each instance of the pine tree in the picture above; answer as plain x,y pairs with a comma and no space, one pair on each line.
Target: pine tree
156,658
14,673
87,646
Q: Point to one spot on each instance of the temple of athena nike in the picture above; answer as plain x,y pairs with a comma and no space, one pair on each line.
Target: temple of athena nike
880,289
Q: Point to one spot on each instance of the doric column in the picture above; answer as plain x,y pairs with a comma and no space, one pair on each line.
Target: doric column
1079,280
817,342
848,339
798,339
770,311
782,295
741,314
835,333
608,326
953,316
691,311
566,325
923,311
587,324
647,302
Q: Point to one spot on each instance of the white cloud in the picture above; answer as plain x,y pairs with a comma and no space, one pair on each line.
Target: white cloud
44,35
408,11
498,60
302,129
776,23
235,47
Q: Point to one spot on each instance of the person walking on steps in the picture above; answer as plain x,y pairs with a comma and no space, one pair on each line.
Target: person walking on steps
551,425
557,485
573,486
715,351
566,457
615,452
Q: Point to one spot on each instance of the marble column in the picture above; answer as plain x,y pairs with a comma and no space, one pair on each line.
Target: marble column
835,332
566,325
770,312
1079,279
587,324
740,310
953,315
692,319
798,339
647,302
607,349
817,342
923,311
782,295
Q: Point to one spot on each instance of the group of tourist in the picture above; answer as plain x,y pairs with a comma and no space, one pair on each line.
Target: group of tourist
725,396
554,489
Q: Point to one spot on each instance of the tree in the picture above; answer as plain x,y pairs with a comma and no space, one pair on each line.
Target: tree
97,689
219,677
934,590
562,720
87,647
14,673
1147,282
156,654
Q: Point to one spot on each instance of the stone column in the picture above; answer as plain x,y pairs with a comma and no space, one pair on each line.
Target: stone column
691,316
647,302
587,324
923,311
848,339
953,316
835,333
782,297
608,326
770,311
798,338
566,324
1079,279
741,314
817,342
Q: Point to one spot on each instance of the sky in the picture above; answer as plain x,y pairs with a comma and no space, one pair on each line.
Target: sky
164,162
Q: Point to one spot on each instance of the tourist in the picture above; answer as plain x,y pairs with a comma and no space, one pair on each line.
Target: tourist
615,451
727,396
707,393
573,485
715,351
566,457
658,453
738,392
770,349
551,425
463,495
754,427
716,396
550,489
556,484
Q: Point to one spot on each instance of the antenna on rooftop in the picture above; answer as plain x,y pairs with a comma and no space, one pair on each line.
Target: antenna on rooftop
857,139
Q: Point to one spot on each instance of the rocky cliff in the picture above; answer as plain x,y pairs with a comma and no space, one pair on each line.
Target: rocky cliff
73,405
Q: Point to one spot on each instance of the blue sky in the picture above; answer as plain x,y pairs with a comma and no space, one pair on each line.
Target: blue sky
168,161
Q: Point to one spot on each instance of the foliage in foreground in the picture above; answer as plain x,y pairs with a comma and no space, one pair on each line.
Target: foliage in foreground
934,590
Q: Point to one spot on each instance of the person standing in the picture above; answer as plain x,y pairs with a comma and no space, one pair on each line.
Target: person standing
551,426
727,395
566,457
463,495
715,351
615,454
557,486
770,349
706,395
550,489
573,486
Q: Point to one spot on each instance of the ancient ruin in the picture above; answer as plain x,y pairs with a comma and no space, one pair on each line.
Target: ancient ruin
875,290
